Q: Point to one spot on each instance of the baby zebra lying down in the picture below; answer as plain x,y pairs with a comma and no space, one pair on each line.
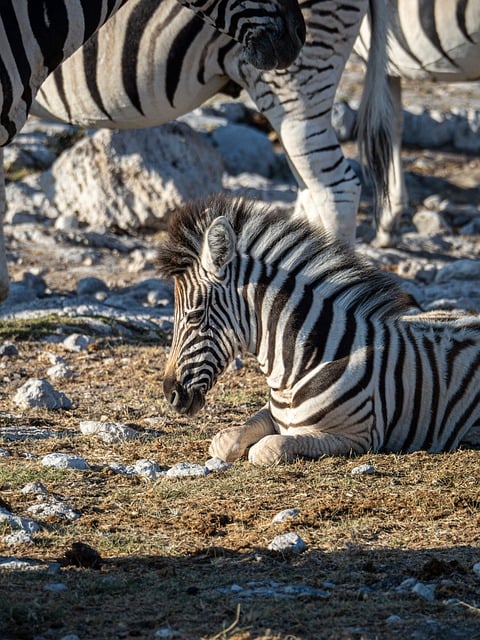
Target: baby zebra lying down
350,364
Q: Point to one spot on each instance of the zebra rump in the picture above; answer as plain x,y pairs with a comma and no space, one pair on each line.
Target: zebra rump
351,363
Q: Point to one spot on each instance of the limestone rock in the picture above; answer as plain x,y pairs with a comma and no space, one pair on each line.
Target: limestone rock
132,179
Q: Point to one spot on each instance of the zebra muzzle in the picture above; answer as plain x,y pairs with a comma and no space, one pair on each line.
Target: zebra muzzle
185,401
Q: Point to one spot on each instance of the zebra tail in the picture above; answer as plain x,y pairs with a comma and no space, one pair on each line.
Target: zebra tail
375,114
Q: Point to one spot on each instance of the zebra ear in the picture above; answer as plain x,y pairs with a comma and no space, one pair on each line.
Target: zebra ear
218,246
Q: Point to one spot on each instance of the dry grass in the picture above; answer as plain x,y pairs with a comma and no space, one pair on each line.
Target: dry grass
172,549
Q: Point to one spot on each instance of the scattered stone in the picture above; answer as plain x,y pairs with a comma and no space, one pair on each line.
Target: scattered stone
476,569
65,461
244,149
35,487
18,538
166,632
55,587
216,465
59,372
187,469
273,589
363,470
425,591
54,508
8,349
429,222
122,469
4,453
16,523
286,514
108,432
148,469
77,342
14,564
288,543
38,392
393,619
91,286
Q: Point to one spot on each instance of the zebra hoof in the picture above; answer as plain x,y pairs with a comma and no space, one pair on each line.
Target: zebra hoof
227,445
272,450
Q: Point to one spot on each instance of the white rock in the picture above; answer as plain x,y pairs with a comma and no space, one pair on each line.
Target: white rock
288,543
187,469
13,564
156,170
108,432
54,508
4,453
77,342
286,514
476,569
425,591
34,487
429,222
122,469
148,469
38,392
363,470
216,464
59,371
18,538
244,149
65,461
17,523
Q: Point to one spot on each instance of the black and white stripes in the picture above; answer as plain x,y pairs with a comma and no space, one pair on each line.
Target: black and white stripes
174,63
350,363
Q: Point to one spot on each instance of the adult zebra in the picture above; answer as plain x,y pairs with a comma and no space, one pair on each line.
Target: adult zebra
37,35
179,63
437,41
349,365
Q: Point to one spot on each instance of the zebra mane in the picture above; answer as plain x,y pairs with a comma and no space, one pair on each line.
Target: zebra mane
260,229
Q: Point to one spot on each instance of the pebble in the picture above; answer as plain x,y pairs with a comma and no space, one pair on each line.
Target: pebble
148,469
109,432
60,371
216,465
18,538
8,349
38,392
187,469
4,453
55,587
14,564
288,543
425,591
77,342
476,569
286,514
363,470
53,509
65,461
17,523
34,487
464,269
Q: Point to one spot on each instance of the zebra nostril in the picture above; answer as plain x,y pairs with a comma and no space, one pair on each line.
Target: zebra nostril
174,397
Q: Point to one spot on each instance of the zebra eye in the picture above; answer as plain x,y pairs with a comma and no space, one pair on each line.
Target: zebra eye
194,317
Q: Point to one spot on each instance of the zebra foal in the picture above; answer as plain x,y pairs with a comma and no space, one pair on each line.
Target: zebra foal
434,41
37,35
349,365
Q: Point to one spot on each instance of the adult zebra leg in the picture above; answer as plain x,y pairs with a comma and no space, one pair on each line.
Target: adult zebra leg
274,449
4,279
397,201
233,442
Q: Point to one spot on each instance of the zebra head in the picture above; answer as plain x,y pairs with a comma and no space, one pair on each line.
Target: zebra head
272,32
200,253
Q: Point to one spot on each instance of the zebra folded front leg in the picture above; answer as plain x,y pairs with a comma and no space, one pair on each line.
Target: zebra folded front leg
273,449
233,442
